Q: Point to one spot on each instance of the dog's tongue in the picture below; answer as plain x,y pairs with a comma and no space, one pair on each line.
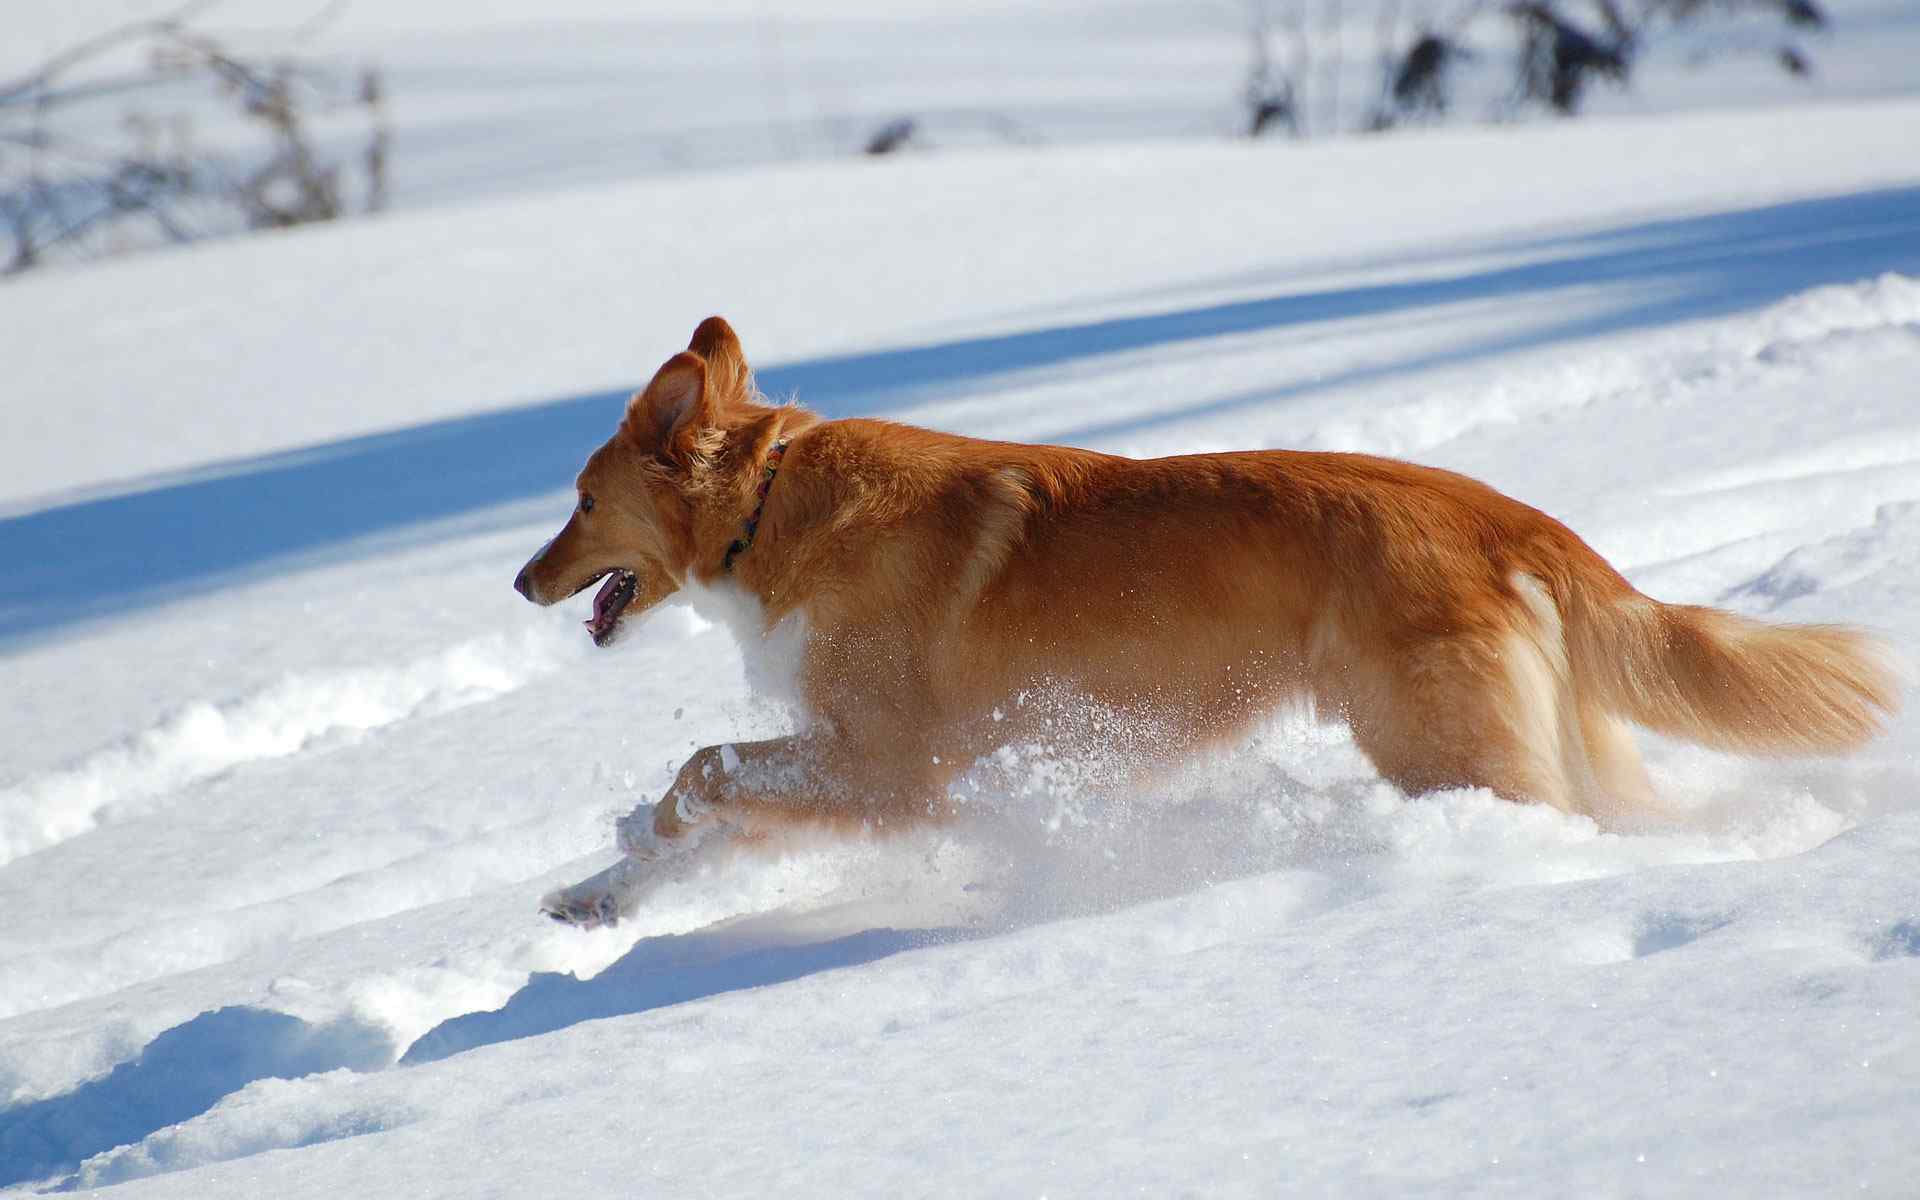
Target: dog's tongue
604,608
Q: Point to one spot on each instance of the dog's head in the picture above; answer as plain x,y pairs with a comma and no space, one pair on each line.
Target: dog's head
644,499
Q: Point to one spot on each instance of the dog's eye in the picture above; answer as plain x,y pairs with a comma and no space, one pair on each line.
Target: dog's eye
586,504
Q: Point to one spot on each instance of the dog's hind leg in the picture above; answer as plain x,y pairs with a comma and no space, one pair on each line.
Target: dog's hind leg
1467,711
1622,777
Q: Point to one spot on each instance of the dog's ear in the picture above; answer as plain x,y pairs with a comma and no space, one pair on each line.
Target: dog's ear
727,370
670,414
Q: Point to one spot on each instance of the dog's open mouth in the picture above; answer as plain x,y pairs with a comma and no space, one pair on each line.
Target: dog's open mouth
608,603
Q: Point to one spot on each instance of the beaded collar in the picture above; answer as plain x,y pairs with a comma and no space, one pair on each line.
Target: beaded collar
745,539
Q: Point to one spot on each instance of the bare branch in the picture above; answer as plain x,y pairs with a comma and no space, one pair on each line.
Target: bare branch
59,191
59,64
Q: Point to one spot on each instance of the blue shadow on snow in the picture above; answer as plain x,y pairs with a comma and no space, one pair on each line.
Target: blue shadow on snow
188,1069
182,1073
663,971
172,537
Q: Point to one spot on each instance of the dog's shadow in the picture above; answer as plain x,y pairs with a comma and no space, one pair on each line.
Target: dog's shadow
748,952
1125,860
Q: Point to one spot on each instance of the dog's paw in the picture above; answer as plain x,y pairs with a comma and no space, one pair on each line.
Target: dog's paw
581,911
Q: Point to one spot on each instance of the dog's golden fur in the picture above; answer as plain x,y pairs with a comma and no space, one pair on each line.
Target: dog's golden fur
1467,639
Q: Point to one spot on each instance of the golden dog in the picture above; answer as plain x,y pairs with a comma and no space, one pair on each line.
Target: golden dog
930,584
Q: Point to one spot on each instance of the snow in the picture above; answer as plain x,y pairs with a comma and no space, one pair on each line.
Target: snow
286,764
511,95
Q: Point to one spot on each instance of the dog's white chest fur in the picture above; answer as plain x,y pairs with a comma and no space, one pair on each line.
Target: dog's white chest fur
772,656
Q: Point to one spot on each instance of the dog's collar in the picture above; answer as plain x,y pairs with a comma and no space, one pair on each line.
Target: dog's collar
745,539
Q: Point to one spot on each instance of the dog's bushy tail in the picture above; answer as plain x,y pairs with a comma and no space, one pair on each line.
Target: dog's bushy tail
1726,681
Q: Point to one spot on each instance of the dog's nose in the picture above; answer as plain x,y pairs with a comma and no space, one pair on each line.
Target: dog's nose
520,583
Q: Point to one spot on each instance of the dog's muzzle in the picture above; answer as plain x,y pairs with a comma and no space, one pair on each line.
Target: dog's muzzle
521,583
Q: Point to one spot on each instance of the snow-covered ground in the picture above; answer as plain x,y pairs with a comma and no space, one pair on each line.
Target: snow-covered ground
495,98
285,764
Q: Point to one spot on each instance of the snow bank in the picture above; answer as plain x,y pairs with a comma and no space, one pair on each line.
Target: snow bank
1817,328
1263,1033
298,714
1071,254
272,1114
180,1074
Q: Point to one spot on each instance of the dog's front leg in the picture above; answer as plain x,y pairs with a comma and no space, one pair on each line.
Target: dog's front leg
657,840
733,784
606,897
751,787
599,899
683,816
761,786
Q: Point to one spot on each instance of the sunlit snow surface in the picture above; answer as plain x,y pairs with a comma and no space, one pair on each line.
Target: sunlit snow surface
286,764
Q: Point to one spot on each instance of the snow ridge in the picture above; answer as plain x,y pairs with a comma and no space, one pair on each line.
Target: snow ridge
1805,331
300,713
